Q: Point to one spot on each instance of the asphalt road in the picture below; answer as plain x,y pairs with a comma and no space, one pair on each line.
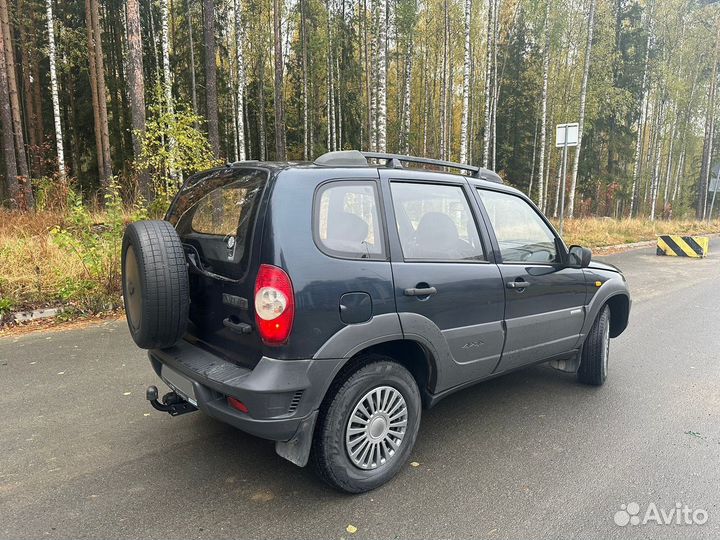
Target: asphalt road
530,454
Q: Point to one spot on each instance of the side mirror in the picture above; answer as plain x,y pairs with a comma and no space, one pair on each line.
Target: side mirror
579,256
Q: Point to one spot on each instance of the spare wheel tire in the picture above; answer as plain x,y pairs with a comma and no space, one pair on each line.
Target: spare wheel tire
155,284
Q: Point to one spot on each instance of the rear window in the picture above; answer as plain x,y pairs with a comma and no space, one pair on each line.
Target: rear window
215,214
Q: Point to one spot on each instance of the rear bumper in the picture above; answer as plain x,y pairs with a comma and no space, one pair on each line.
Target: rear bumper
279,394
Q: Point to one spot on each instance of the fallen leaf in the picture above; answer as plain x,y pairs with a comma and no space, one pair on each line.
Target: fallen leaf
126,393
414,464
352,529
61,373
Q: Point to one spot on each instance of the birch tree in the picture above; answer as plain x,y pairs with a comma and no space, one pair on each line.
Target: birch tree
280,149
382,76
489,84
543,106
642,118
240,90
304,45
466,87
703,185
583,98
52,53
211,93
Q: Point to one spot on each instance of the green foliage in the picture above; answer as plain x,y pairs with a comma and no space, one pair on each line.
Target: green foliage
173,147
6,307
97,247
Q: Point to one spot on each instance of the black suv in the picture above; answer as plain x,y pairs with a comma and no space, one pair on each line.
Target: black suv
323,305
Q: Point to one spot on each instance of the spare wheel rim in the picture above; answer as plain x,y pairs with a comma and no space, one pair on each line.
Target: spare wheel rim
133,296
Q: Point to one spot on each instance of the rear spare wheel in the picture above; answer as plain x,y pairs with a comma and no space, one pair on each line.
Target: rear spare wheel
155,284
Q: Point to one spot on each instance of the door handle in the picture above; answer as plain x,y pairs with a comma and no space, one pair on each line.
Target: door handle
425,291
517,284
237,327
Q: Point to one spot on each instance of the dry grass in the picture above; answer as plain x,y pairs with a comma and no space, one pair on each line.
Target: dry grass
35,271
32,268
598,232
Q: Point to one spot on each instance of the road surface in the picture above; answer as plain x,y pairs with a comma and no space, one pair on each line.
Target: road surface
530,454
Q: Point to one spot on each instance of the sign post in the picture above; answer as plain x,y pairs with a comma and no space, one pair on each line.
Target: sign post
565,135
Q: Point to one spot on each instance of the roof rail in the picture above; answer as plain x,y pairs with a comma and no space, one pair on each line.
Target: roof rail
355,158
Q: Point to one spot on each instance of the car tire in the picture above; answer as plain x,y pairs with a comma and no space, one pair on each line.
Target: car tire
383,380
596,351
155,284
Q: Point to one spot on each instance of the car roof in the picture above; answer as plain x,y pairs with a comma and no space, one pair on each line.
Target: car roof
354,160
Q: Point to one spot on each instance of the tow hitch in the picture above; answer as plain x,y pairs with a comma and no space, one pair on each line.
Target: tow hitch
172,403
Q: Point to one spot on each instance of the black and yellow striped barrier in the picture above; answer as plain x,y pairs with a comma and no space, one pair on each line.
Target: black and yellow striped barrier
683,246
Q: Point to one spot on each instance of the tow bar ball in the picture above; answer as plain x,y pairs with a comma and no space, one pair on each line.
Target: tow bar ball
171,403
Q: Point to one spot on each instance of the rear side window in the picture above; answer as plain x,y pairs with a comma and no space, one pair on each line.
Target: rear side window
346,220
435,223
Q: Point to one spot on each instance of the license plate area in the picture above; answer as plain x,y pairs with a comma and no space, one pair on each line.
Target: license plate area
179,383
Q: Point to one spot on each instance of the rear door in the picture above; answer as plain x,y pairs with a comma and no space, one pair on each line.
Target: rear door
216,217
545,299
448,293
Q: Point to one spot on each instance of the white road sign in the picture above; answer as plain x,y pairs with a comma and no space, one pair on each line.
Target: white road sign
572,134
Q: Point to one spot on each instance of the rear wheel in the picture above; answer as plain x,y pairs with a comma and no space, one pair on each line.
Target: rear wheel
596,351
367,426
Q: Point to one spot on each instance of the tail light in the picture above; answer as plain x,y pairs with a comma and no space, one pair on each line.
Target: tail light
274,304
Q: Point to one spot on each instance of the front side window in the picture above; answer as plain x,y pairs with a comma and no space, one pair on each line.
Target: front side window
435,223
346,220
522,234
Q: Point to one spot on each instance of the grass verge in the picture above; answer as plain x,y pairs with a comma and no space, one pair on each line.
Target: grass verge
72,258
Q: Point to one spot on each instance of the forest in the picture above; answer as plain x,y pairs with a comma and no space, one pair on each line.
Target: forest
141,93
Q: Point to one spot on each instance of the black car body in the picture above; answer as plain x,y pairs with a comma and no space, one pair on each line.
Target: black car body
456,277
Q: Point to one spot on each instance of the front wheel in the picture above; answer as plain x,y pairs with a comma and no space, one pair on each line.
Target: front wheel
367,426
596,351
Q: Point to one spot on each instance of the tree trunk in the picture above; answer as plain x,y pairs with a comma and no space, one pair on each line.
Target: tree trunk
382,77
490,36
167,77
406,98
280,151
97,81
496,82
700,210
136,87
466,87
240,91
543,115
641,120
303,31
443,88
54,91
18,135
426,97
27,21
331,130
261,113
193,82
11,174
655,181
211,99
583,98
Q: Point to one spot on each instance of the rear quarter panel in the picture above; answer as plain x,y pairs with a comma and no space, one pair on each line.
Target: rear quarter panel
319,280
